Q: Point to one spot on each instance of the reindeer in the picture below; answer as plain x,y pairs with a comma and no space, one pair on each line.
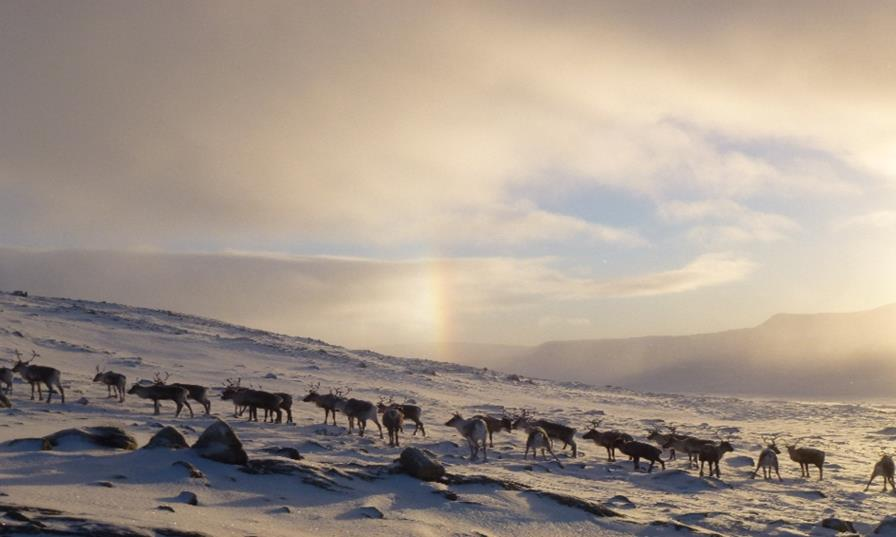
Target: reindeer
768,459
474,432
254,399
6,376
538,439
195,392
357,409
713,453
37,375
884,468
328,402
410,411
556,431
639,450
608,439
691,445
806,456
495,425
393,419
161,392
112,380
285,405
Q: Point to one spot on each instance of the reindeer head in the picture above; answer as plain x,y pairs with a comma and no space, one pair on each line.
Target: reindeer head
455,419
21,364
770,442
99,374
520,419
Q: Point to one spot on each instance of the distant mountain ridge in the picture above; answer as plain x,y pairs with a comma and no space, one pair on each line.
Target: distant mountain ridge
795,355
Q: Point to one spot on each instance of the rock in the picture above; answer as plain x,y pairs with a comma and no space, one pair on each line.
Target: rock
271,376
4,401
107,484
165,508
219,443
887,526
194,472
167,437
104,436
188,497
288,452
419,465
620,501
282,509
82,401
369,511
838,525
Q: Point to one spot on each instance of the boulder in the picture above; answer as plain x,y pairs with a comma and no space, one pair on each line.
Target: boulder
838,525
418,464
167,437
219,443
188,497
103,436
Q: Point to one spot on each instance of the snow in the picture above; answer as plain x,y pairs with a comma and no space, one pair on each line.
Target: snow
512,498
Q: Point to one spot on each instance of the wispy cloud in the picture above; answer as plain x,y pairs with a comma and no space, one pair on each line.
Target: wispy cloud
879,220
724,221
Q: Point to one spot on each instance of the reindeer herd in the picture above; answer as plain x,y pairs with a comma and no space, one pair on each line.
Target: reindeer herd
478,430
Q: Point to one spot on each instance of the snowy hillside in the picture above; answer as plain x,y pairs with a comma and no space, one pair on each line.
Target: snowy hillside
343,485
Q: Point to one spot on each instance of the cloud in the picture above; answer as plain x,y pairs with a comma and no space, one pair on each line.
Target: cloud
356,301
707,270
876,220
728,221
292,122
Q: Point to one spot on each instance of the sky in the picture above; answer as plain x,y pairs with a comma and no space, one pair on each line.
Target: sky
398,172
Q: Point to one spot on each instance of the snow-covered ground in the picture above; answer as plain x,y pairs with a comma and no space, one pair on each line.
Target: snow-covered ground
126,488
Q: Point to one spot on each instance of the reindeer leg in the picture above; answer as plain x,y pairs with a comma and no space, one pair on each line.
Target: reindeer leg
701,468
155,404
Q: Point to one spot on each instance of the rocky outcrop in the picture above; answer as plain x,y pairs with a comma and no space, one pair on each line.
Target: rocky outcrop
418,464
105,436
167,437
838,525
219,443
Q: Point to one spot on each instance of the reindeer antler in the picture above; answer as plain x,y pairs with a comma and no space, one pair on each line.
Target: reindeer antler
596,423
159,379
18,355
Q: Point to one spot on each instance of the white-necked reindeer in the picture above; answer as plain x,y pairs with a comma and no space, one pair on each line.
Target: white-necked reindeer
768,458
474,431
39,374
112,380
